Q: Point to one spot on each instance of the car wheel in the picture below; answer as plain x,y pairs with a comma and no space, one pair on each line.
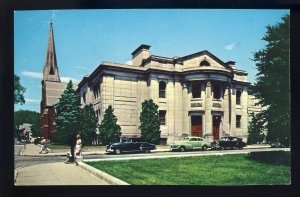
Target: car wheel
182,149
118,151
147,151
204,148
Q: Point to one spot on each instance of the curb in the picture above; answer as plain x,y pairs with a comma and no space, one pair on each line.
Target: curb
102,175
16,173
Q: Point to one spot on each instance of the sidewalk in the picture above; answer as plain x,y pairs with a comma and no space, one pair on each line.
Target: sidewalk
56,174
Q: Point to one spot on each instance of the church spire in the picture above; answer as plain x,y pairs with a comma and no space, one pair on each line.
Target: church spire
50,72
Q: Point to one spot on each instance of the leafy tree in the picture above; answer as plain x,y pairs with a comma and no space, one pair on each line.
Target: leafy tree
109,129
273,85
30,117
150,124
88,125
18,91
256,128
67,115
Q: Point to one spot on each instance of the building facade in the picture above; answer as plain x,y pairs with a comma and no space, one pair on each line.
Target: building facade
52,88
197,95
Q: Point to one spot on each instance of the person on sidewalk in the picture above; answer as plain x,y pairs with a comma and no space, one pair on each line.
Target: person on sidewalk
44,146
78,148
72,143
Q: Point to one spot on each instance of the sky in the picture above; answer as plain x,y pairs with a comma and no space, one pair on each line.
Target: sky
85,38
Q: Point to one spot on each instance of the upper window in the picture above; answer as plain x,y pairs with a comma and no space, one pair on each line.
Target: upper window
84,97
196,90
217,91
162,89
238,97
204,63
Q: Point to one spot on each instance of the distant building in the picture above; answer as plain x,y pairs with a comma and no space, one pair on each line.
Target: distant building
52,88
25,132
197,94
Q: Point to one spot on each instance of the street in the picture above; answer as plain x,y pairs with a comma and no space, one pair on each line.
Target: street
26,161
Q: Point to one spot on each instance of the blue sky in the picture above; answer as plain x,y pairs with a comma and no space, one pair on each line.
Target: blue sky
85,38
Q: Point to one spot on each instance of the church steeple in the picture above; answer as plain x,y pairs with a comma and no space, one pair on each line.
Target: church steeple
50,72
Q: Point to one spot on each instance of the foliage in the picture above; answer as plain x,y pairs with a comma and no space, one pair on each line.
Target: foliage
88,125
150,124
18,91
67,115
30,117
209,170
109,130
256,128
273,85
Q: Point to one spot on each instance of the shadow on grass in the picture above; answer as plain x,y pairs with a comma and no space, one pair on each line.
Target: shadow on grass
272,157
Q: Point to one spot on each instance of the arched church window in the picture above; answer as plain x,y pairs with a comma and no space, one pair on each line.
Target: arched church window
51,71
162,89
204,63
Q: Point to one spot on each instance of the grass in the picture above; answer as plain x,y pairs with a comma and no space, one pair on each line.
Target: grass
206,170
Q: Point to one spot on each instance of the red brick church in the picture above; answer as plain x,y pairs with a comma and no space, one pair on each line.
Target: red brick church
52,88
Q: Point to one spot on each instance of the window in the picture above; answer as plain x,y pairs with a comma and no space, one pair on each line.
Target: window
204,63
238,97
84,97
238,121
217,91
196,90
162,117
51,71
96,91
162,89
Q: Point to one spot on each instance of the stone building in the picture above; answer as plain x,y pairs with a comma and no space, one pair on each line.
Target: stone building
197,94
52,88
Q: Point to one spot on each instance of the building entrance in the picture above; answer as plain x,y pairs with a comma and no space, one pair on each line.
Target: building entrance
196,126
216,126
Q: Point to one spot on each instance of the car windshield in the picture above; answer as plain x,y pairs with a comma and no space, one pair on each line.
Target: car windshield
186,139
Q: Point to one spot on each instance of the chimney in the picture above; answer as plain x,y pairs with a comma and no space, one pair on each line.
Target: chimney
231,64
139,54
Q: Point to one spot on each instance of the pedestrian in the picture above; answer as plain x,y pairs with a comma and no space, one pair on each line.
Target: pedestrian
72,143
44,146
78,145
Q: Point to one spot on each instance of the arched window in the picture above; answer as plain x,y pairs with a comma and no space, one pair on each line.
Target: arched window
238,97
204,63
162,89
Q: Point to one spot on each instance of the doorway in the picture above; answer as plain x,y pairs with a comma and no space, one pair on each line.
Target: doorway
216,126
196,125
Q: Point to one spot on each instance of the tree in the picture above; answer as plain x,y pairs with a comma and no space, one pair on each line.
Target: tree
18,91
256,128
109,130
150,124
30,117
67,115
88,124
273,85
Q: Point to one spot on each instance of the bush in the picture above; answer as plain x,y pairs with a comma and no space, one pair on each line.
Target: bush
272,157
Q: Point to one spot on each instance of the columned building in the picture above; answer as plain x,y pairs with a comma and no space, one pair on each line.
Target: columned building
197,94
52,88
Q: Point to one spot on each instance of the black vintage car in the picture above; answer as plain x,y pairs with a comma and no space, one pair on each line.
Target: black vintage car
228,143
130,144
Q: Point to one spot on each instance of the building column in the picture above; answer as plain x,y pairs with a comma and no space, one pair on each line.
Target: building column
226,108
185,117
208,115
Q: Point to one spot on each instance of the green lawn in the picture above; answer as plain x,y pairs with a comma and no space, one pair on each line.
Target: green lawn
205,170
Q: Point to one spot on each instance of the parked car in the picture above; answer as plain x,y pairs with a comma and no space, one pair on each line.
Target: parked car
190,143
228,142
129,145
